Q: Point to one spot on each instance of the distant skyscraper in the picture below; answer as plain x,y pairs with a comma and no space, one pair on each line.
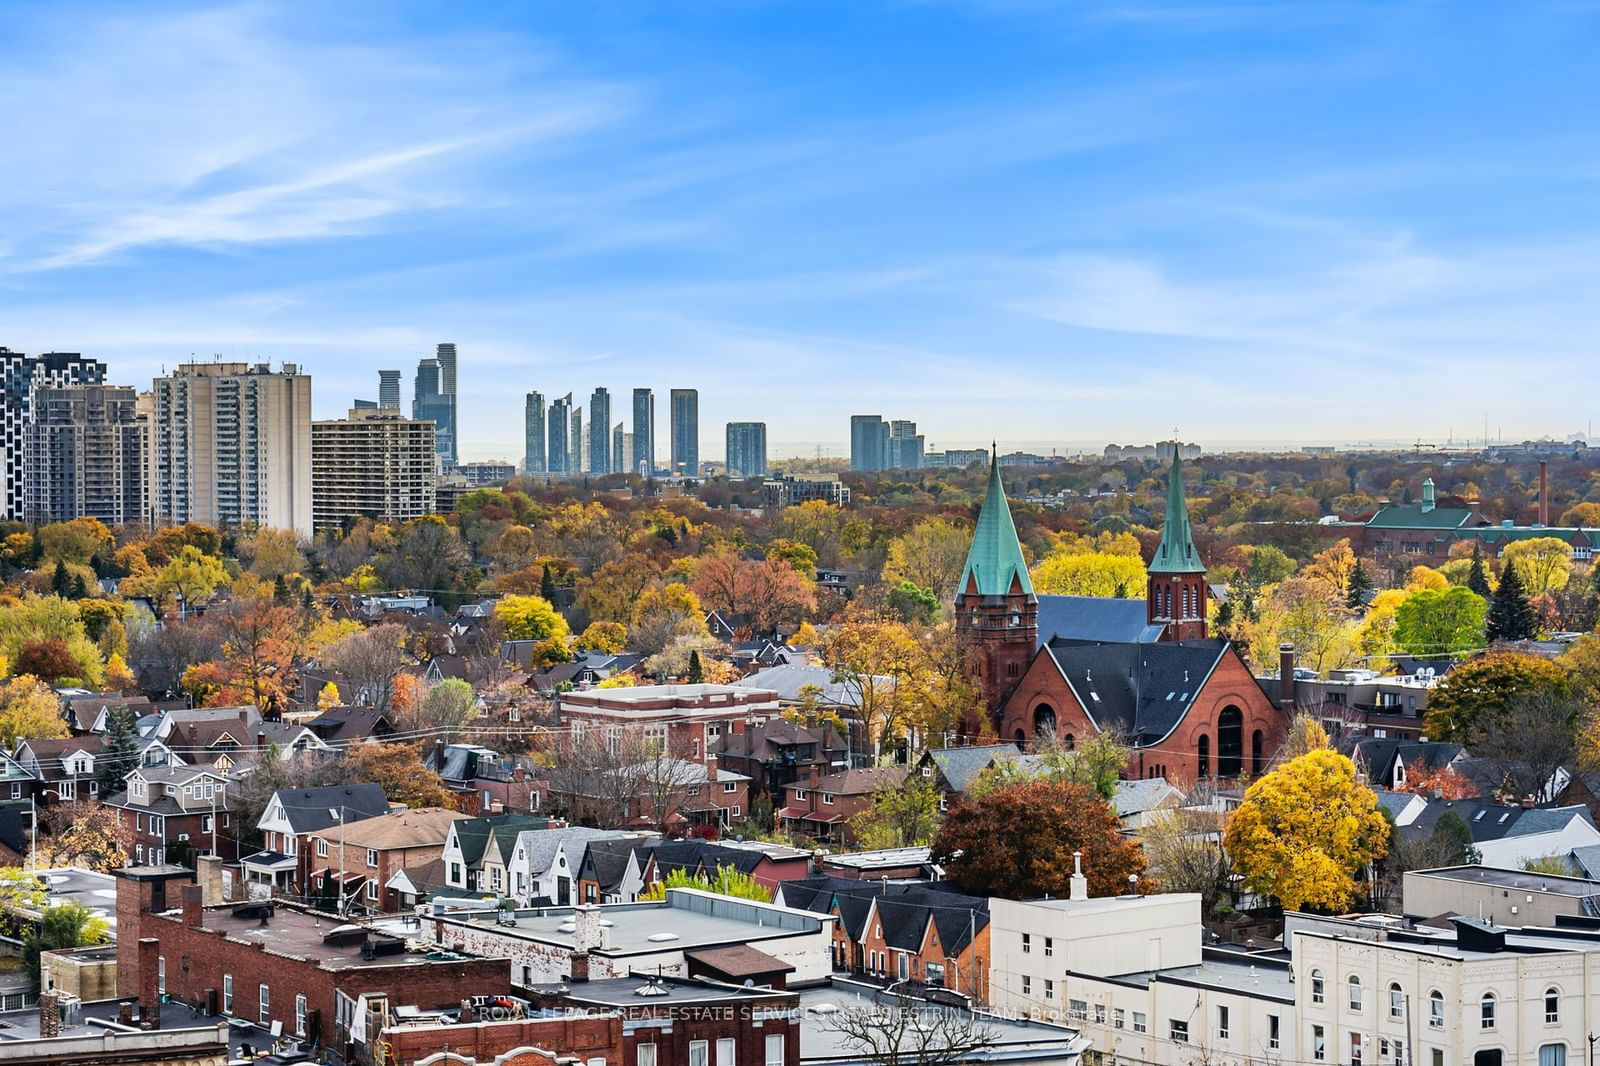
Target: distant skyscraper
559,435
644,433
686,432
233,446
579,456
429,403
86,456
599,432
446,354
21,376
905,446
869,442
389,390
533,434
364,405
747,449
619,441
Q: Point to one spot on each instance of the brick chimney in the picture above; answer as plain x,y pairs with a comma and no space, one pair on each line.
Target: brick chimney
49,1015
1544,492
586,928
1285,676
209,872
193,906
149,983
580,966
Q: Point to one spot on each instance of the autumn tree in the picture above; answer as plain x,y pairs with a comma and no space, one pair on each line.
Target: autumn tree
1090,574
1444,782
899,817
191,576
426,554
1431,623
50,660
398,770
370,660
447,708
530,618
613,592
1542,563
61,926
1473,697
767,594
930,555
94,838
45,620
1304,830
257,640
1016,842
876,662
666,613
29,710
607,637
272,553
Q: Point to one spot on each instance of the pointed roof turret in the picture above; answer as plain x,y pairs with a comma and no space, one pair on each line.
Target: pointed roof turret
995,559
1176,553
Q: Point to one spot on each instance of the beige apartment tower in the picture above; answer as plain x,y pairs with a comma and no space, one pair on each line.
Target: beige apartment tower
231,445
375,463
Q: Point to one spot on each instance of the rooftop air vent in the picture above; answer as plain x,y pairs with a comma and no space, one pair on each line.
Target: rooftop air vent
662,938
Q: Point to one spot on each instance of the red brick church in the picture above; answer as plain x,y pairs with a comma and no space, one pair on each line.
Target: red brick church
1059,668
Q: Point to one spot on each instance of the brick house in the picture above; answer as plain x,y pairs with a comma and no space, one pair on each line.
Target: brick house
823,809
917,933
268,962
163,807
357,861
675,795
777,753
686,720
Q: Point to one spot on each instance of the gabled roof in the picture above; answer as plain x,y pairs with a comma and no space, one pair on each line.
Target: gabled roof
606,861
1139,796
904,908
398,829
309,810
789,679
1146,689
960,767
541,845
1496,821
994,562
1104,618
1176,553
1413,516
766,740
473,834
858,782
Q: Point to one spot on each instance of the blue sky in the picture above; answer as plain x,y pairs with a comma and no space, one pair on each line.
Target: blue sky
1044,222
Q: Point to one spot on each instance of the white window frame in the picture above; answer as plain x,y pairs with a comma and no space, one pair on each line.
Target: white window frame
727,1052
227,993
264,1003
300,1014
645,1055
699,1053
774,1049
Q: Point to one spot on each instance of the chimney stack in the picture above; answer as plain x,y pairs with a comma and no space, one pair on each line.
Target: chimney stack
209,874
193,906
586,928
1286,676
1080,884
49,1015
149,983
1544,492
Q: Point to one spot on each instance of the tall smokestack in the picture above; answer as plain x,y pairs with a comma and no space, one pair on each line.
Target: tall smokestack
1286,675
1544,492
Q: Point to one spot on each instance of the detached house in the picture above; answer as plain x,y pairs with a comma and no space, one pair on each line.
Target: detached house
62,770
544,863
467,842
612,871
165,807
777,753
365,862
16,783
289,821
824,808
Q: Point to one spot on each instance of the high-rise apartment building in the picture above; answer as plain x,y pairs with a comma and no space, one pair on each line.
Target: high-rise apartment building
446,354
869,442
429,403
599,432
558,435
233,445
376,463
905,446
389,390
578,459
643,460
620,440
685,432
747,449
21,376
85,456
533,442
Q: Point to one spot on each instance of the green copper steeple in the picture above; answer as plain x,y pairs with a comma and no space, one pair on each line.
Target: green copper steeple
996,554
1176,554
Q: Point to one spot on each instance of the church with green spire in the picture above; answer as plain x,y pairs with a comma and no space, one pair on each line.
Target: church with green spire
1175,595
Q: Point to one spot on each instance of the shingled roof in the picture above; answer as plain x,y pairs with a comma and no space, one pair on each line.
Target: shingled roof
1145,689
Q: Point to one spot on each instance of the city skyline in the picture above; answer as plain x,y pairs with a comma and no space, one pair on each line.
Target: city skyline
1094,198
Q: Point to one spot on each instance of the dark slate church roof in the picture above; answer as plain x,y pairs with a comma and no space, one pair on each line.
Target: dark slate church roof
1095,618
1145,689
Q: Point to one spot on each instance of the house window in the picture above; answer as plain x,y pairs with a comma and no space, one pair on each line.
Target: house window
730,786
799,794
1222,1023
1119,1017
372,857
1319,1044
1140,1024
699,1053
455,873
300,1015
1178,1031
1274,1039
161,974
227,993
1486,1011
372,889
1077,1008
266,1006
1049,946
1027,985
726,1055
206,823
1316,986
1552,1006
322,848
1050,991
1397,1001
1355,1049
1100,1014
646,1055
1437,1057
775,1049
1027,943
1354,984
1553,1055
1435,1010
827,797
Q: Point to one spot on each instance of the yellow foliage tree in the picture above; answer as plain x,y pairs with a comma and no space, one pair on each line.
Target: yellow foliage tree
118,676
29,710
329,697
1543,563
1427,579
1090,574
530,618
1305,830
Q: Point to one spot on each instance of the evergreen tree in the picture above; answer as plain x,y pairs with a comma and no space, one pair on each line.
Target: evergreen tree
98,565
280,590
697,673
61,581
119,750
1510,616
1360,585
547,584
35,550
1477,580
80,588
306,599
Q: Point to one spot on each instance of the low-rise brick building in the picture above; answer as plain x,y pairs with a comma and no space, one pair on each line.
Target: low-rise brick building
357,861
170,809
824,808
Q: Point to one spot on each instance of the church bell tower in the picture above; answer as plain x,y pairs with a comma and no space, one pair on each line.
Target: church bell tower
997,614
1175,597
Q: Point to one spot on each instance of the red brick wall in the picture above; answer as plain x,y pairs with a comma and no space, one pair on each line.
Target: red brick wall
582,1037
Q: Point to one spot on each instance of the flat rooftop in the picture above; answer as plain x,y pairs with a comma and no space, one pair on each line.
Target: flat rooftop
1521,880
307,935
887,858
1009,1039
24,1024
642,992
1258,977
98,892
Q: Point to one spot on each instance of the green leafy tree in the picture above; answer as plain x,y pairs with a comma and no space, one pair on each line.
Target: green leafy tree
727,882
1478,693
913,603
1431,622
900,817
66,925
1510,615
